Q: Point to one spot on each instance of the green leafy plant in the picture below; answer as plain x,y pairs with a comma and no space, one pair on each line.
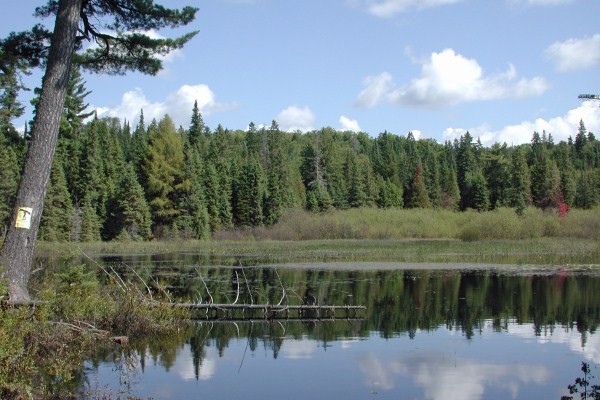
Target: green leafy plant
583,385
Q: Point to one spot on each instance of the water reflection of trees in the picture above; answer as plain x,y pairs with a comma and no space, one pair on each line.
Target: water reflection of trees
398,302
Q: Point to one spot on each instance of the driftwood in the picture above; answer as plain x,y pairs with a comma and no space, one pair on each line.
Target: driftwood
272,311
226,320
266,307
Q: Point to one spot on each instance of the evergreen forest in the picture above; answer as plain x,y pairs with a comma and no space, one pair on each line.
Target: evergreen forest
142,180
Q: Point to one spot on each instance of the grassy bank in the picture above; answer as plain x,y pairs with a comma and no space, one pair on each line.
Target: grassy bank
497,237
372,223
43,347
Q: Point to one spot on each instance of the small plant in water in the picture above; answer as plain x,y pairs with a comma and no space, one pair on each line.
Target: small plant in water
583,385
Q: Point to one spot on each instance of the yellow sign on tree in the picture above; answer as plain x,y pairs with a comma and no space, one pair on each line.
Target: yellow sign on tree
24,217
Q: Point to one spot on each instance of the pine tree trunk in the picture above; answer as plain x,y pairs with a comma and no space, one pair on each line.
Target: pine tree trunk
19,245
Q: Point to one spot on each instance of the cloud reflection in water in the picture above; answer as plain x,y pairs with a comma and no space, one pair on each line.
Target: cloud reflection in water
450,379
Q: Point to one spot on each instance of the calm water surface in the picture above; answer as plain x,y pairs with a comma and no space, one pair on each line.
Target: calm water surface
425,335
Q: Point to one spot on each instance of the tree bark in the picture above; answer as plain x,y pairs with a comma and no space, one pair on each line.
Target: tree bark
19,244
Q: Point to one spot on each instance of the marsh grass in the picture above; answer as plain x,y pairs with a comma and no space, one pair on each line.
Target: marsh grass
394,224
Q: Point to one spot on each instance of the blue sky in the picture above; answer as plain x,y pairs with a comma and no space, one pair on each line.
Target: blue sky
498,68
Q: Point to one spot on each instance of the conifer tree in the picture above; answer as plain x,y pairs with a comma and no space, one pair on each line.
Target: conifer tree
478,192
520,187
545,177
213,192
253,138
333,157
139,143
249,194
568,182
224,162
579,145
113,164
431,168
196,136
9,181
450,192
193,220
277,176
10,106
497,174
390,195
131,217
357,194
89,183
90,223
56,219
163,170
392,156
273,203
418,197
467,165
588,189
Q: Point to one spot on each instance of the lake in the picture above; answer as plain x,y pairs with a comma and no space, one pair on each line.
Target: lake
458,333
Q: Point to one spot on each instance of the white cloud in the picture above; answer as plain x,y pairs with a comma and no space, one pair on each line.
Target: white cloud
347,124
417,134
296,118
177,104
388,8
575,54
559,127
376,88
448,78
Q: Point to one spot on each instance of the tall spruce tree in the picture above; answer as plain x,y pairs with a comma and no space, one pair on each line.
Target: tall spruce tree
249,194
223,161
131,218
276,175
196,135
357,192
193,220
545,177
418,197
568,180
467,166
520,183
75,21
497,173
450,192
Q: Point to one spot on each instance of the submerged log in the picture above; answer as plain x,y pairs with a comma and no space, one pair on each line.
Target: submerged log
269,311
270,307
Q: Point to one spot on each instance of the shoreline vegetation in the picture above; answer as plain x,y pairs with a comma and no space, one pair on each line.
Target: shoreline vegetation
377,235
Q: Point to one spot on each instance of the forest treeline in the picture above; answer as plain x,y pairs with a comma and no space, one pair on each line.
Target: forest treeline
140,180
